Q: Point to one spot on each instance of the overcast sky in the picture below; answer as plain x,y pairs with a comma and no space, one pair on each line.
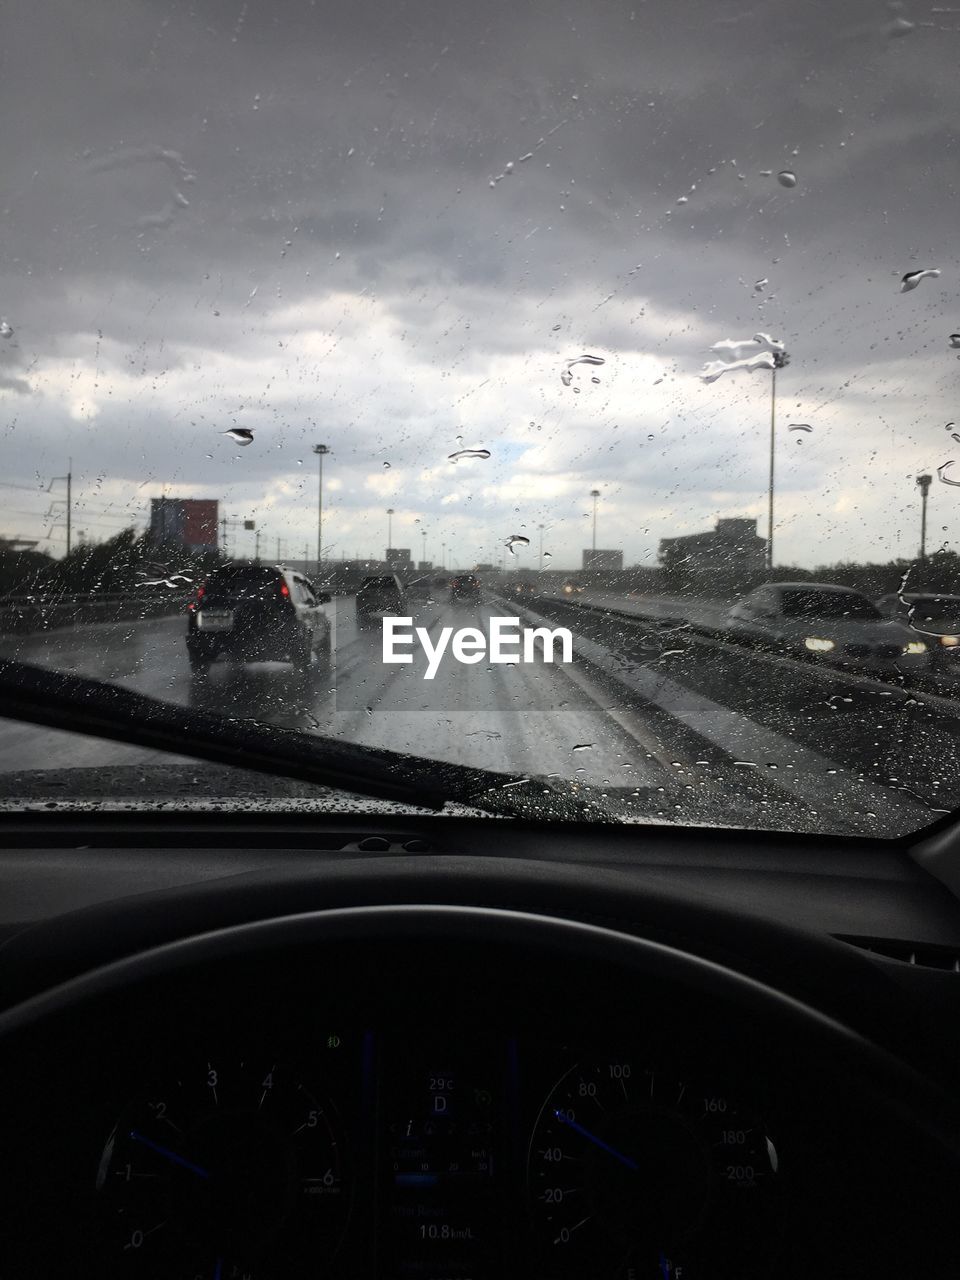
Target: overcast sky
388,226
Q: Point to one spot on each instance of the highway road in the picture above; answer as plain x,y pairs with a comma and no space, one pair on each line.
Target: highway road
522,719
700,731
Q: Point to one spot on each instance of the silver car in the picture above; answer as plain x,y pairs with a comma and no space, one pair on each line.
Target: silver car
830,624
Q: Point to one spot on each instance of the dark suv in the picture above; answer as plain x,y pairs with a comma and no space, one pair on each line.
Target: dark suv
257,613
379,596
465,587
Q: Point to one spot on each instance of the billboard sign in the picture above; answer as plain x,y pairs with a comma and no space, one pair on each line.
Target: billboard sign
193,522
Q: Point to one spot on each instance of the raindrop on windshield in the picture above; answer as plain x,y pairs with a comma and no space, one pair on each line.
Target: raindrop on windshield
6,330
913,278
900,27
516,540
583,746
787,178
386,466
955,340
239,435
715,369
946,479
954,435
800,426
566,377
548,555
468,453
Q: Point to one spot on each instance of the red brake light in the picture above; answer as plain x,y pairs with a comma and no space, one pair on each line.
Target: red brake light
201,592
284,589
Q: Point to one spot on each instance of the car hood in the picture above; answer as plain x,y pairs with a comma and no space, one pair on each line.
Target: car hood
937,627
732,797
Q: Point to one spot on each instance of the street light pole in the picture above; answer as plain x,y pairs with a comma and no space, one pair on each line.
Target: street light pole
423,534
389,531
780,359
321,450
69,500
594,494
924,482
540,527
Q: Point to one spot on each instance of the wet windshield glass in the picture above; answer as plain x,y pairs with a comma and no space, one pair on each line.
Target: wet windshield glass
826,604
932,609
537,337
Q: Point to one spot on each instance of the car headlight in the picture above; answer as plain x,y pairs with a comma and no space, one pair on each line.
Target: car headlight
950,642
816,645
914,646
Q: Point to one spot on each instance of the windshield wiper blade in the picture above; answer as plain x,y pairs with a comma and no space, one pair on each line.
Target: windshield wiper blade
79,704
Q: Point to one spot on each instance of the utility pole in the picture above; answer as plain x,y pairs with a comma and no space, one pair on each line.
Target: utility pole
389,531
924,482
424,536
780,359
321,450
540,527
443,555
59,502
594,494
256,545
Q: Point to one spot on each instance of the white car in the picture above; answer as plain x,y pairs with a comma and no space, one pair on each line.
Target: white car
828,623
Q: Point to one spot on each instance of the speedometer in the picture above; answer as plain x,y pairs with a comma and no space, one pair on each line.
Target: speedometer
230,1168
635,1173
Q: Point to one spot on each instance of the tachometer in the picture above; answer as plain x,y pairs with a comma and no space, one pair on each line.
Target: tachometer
231,1169
634,1173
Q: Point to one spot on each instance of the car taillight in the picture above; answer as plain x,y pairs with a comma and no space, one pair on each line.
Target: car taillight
201,592
284,589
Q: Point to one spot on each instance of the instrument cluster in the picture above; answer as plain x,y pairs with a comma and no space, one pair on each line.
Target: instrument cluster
408,1153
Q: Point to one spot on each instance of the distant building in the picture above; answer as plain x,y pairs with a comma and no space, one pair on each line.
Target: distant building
192,522
399,559
731,553
603,561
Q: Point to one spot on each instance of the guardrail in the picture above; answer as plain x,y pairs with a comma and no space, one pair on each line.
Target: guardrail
53,611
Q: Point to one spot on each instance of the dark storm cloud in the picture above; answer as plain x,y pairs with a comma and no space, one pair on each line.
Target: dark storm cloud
281,214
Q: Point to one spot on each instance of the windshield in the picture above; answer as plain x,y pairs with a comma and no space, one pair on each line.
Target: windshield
826,604
239,581
590,320
934,609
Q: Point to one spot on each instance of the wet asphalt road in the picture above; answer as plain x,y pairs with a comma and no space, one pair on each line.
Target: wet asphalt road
536,718
715,731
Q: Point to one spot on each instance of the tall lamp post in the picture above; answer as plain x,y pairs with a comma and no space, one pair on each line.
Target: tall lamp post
924,482
389,531
423,534
780,360
594,494
540,527
321,450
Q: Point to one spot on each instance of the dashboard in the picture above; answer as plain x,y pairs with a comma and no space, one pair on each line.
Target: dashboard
454,1093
